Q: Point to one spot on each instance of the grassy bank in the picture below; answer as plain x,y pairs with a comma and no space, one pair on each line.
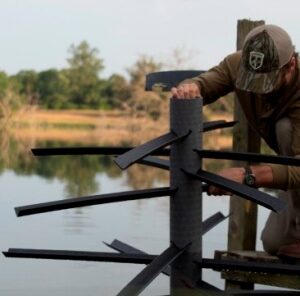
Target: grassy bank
97,127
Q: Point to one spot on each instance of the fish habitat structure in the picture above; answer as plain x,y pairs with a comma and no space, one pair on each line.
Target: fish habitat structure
182,260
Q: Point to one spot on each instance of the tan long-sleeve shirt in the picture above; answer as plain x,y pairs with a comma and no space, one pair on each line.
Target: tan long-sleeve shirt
262,111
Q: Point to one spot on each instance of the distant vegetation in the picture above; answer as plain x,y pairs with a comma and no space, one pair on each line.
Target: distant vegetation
80,86
37,110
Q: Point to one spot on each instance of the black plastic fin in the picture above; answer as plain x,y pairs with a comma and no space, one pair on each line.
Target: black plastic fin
55,151
92,200
148,274
137,153
165,80
155,162
123,247
90,151
249,157
127,249
213,125
79,256
207,225
212,221
244,191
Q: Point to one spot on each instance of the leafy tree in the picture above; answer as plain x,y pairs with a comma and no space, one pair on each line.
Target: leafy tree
10,99
115,91
28,85
4,81
83,75
143,66
180,58
142,102
52,87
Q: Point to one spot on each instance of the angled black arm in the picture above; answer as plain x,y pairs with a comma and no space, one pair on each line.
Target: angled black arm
244,191
155,162
171,253
92,200
148,274
167,79
162,164
123,247
207,126
207,225
137,153
90,151
79,151
212,221
250,157
212,125
79,255
128,249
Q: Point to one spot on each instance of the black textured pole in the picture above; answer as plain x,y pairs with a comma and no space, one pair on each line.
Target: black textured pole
186,204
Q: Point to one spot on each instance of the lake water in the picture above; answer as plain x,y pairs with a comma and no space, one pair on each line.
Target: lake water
144,224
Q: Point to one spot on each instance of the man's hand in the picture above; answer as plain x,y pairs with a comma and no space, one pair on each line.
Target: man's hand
186,90
233,174
263,174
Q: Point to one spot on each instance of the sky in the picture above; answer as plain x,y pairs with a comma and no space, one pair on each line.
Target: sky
36,34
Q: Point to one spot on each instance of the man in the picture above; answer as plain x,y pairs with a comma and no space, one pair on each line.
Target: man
266,80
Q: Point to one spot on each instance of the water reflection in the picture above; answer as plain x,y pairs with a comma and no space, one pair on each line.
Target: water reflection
78,173
26,179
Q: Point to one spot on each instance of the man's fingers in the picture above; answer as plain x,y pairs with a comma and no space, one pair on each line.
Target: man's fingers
186,91
194,92
174,92
197,92
211,190
217,191
180,91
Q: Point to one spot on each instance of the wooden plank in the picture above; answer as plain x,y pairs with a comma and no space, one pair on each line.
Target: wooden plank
242,278
243,221
284,281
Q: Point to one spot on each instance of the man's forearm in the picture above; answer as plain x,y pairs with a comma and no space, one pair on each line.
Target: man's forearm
264,175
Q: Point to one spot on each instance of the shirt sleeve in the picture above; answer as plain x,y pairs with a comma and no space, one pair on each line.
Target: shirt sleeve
219,80
288,177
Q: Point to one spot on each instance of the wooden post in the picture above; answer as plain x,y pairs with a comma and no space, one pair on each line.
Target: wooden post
243,221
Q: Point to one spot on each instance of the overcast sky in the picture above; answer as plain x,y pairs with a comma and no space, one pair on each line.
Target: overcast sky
36,34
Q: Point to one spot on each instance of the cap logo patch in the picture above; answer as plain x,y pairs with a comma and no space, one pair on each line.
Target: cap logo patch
256,60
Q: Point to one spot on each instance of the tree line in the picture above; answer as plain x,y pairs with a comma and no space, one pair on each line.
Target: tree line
80,86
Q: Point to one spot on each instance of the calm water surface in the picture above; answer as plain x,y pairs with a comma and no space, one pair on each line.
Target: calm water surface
144,224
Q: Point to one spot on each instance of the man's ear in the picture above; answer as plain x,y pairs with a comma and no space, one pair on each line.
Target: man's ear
293,63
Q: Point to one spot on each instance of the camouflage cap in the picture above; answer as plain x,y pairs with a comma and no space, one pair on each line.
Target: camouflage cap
266,50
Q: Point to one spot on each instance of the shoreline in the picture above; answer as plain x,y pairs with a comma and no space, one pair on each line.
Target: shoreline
99,127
